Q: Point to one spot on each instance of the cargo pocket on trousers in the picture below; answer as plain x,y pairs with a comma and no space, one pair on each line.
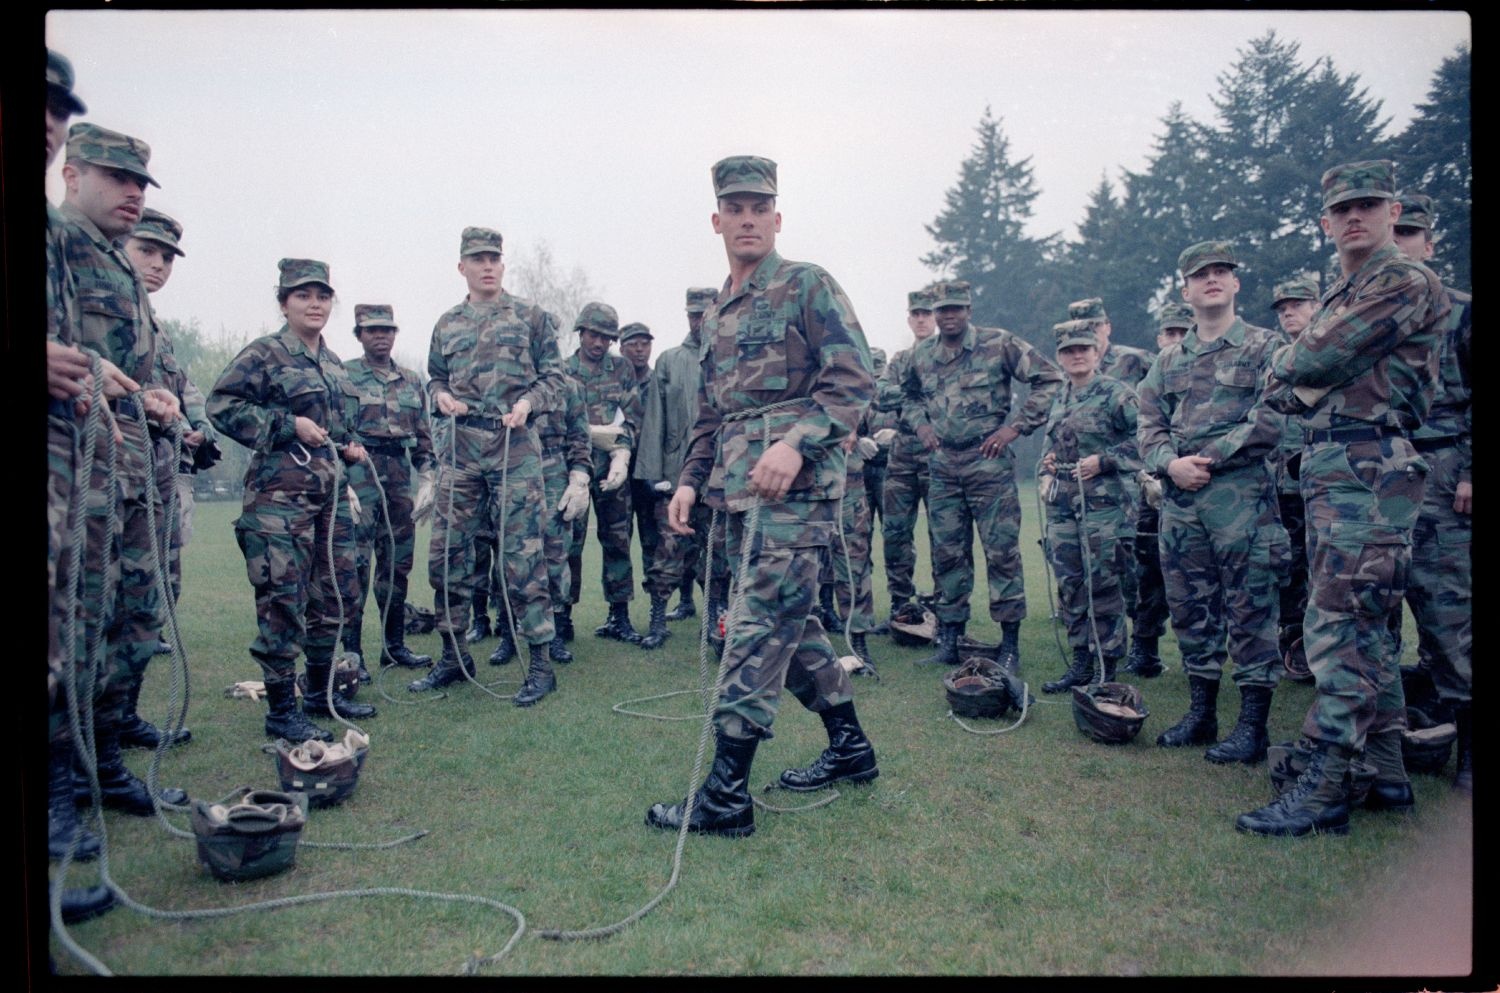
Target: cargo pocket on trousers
1361,568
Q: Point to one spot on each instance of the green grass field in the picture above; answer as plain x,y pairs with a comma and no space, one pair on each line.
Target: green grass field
1035,852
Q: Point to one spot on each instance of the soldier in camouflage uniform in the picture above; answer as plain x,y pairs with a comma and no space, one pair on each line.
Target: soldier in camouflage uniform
906,471
1440,585
849,578
106,178
1295,302
958,393
1361,378
876,465
614,410
650,488
492,363
1223,549
287,398
567,468
390,419
1090,457
785,381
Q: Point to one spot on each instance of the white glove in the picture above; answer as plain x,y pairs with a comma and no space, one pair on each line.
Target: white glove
606,437
422,502
885,436
619,465
867,447
575,499
354,507
664,487
1046,485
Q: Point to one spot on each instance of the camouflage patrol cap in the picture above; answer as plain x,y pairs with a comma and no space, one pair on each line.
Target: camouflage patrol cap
1304,287
1174,315
300,272
476,240
953,293
102,147
1076,332
1091,310
635,329
1206,253
744,174
598,317
700,298
1359,180
1417,211
158,227
923,299
374,315
60,79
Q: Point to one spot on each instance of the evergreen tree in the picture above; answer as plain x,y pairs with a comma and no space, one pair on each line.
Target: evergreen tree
1092,266
1433,156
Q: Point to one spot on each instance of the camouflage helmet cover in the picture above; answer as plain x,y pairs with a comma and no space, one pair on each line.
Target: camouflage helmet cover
158,227
598,317
1358,181
1109,713
102,147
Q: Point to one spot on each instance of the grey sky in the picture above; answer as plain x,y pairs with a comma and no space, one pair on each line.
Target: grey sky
370,139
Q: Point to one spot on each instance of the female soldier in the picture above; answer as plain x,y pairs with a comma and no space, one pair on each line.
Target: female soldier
284,397
1090,451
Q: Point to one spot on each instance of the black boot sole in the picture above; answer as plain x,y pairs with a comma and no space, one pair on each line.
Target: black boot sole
852,778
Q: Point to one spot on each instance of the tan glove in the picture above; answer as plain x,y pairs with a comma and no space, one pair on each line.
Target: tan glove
575,499
606,437
619,465
1151,487
1046,485
355,510
422,503
867,447
884,437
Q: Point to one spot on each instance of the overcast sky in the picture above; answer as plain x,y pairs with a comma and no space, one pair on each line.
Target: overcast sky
370,139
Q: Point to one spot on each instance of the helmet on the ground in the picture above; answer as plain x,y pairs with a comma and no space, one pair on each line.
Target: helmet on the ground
1109,713
248,834
913,626
326,773
1425,743
1294,663
419,620
979,687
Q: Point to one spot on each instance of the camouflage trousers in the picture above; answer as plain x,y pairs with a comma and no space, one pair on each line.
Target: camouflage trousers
1097,583
1362,501
613,531
1223,551
466,505
775,637
1149,613
905,488
186,502
876,470
557,534
969,491
61,515
167,458
851,553
384,537
1294,593
1439,589
303,590
664,552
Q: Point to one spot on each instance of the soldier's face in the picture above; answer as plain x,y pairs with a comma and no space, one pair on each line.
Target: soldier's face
1078,361
111,198
483,272
58,113
1212,286
592,344
638,351
1361,226
952,321
1414,243
922,323
695,323
749,223
307,307
152,260
1170,336
1294,315
377,343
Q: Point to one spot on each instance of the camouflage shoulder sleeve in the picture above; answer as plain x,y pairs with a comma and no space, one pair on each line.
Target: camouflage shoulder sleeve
1124,412
1153,421
698,461
437,363
1042,376
237,403
545,393
844,384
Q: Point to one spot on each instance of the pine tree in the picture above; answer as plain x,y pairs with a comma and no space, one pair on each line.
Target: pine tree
1433,156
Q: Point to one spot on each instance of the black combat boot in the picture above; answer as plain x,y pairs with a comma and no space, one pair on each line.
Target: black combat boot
849,756
713,613
137,732
1317,801
862,652
558,650
947,645
562,621
354,640
315,703
540,679
1391,790
1200,725
447,671
1111,663
1010,647
1247,741
827,611
285,719
1463,776
1080,672
684,608
657,633
722,805
505,651
119,788
480,629
80,903
618,627
1144,659
395,651
62,815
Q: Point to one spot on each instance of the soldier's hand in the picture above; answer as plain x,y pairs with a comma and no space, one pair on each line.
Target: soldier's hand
309,433
619,465
995,443
575,498
116,383
67,371
1463,498
354,452
884,437
1049,462
193,438
519,411
161,406
605,437
663,487
928,437
774,471
1087,468
448,406
680,508
868,447
1190,472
